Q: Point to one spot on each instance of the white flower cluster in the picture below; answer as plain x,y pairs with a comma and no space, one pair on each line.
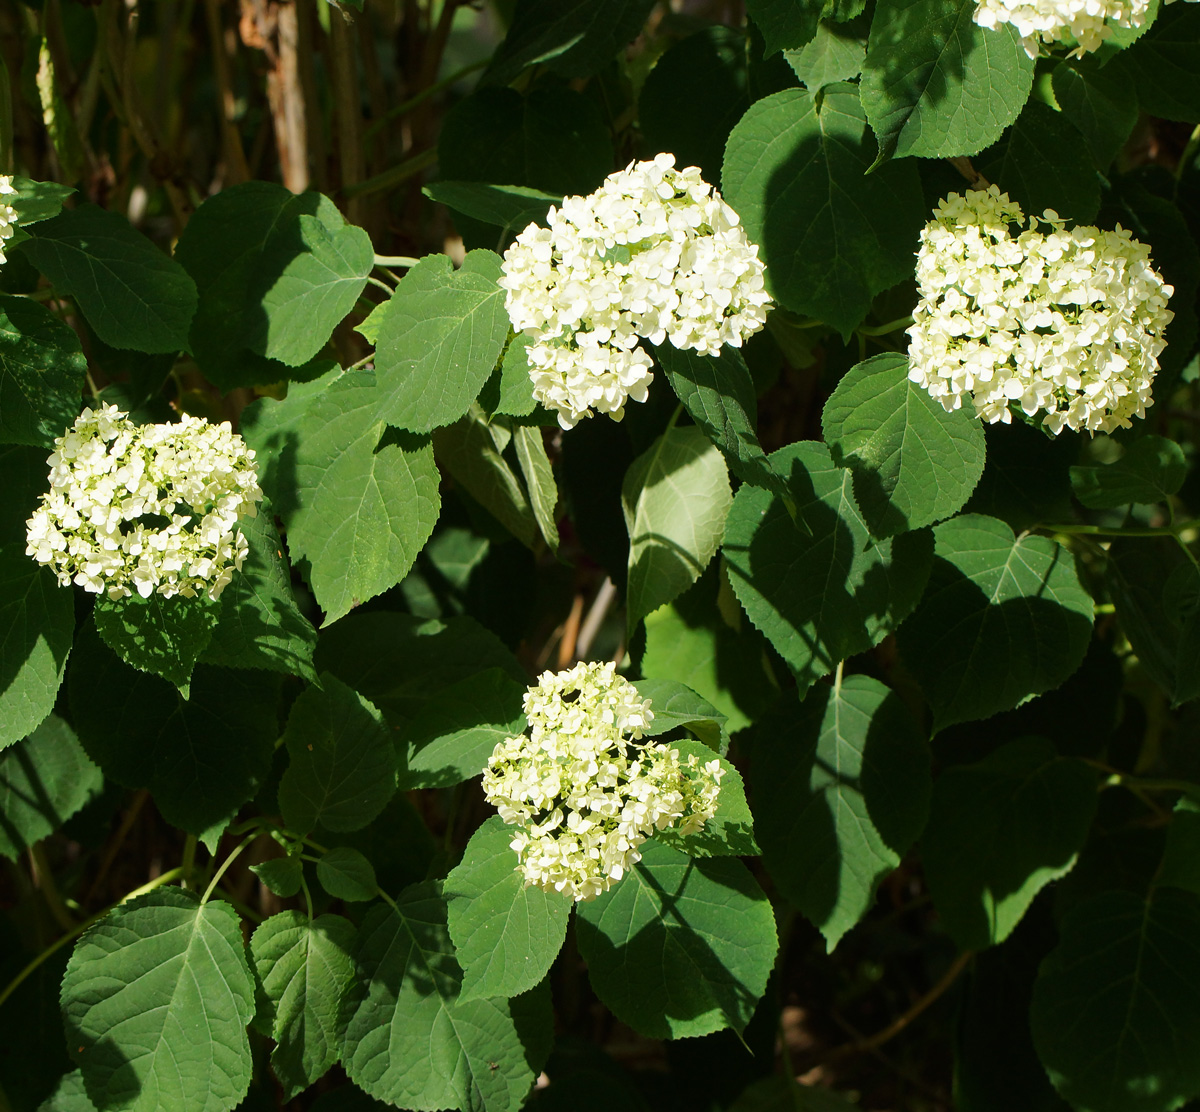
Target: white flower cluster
8,214
654,253
1068,322
1051,21
112,518
584,790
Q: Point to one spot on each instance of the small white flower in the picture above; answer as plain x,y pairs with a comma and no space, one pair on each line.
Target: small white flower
1065,322
8,214
654,253
111,522
1087,22
582,789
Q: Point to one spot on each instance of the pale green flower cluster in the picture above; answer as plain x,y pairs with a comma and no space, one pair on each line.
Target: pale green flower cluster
654,253
1067,322
583,789
8,214
1087,22
149,508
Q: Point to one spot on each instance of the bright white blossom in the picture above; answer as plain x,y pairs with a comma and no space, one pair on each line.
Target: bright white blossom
584,790
1066,322
145,507
8,214
654,253
1087,22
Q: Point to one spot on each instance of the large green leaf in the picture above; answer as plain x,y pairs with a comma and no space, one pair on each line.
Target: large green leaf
836,53
823,597
163,636
574,38
508,207
304,967
679,947
1162,65
156,999
675,497
506,935
359,502
341,760
1043,162
999,831
409,1039
718,393
42,369
1151,470
1003,618
259,624
441,336
44,780
913,463
832,235
201,758
1116,1007
131,293
841,788
937,84
36,201
675,705
786,24
37,619
1101,101
70,1095
309,276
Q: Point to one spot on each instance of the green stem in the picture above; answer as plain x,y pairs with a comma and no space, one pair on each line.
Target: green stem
1193,145
189,860
405,261
413,101
410,167
382,285
307,895
79,928
226,863
885,329
1102,531
1137,783
45,883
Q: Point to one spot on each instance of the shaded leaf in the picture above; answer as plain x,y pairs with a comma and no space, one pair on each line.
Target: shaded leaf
347,875
509,207
1151,470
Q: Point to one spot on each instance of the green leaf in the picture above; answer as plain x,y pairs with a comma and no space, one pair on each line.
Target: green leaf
282,875
1162,65
70,1095
1151,470
936,84
248,247
468,450
820,598
402,664
573,38
785,24
675,705
1116,1006
913,463
718,393
304,967
363,502
1101,101
516,387
554,139
442,335
44,780
23,479
309,276
341,761
832,235
42,370
36,201
730,832
538,473
259,624
37,620
450,739
679,947
509,207
694,95
201,758
506,935
347,875
1181,859
162,636
841,788
1003,618
140,987
675,497
999,831
131,293
836,53
1043,162
410,1039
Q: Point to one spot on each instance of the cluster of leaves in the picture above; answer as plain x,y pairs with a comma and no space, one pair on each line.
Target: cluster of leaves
955,664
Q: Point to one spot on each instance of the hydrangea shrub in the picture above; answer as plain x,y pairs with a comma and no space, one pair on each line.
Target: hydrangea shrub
591,555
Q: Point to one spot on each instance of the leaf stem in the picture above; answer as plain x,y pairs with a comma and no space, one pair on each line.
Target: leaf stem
413,101
404,261
189,860
44,879
1103,531
79,928
226,863
885,329
410,167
